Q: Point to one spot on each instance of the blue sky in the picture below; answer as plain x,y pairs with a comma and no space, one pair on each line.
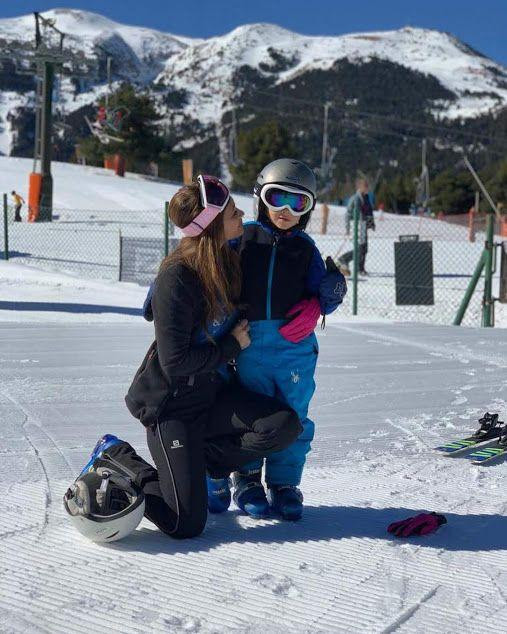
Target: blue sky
481,23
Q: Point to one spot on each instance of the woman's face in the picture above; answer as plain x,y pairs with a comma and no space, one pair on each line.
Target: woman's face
283,219
232,218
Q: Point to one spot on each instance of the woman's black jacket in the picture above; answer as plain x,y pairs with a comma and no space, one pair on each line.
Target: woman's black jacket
174,358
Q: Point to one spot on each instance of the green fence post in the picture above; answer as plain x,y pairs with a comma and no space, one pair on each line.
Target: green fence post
355,270
470,291
487,301
166,229
6,230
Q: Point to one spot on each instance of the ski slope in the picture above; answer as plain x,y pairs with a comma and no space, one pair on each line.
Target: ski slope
92,206
386,394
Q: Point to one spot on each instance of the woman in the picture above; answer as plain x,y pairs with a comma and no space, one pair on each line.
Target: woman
196,422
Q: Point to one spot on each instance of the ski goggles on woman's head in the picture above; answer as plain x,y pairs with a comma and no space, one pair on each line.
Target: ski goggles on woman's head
278,197
214,198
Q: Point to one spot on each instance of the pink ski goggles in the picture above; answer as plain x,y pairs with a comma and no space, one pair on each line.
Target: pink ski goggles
214,198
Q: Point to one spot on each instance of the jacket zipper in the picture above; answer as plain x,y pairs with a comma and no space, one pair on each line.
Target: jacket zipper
270,277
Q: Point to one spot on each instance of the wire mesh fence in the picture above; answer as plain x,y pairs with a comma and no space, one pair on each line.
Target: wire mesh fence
417,267
84,242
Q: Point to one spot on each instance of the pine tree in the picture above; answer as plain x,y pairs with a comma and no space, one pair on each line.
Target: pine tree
140,140
495,178
256,148
452,192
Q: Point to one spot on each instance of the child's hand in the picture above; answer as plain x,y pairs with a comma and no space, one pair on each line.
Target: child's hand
305,315
241,334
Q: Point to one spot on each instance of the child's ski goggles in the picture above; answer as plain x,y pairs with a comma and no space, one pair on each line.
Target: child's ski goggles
214,198
278,197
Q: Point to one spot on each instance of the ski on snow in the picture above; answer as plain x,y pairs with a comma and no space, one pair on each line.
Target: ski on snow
490,429
488,454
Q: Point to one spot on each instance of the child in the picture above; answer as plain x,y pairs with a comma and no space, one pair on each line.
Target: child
283,276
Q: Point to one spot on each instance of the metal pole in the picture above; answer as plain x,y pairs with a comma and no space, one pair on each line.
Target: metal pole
483,189
38,107
108,71
470,291
355,270
120,252
6,230
166,229
46,197
487,301
37,29
323,162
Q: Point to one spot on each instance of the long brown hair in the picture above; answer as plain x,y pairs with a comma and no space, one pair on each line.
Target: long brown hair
216,265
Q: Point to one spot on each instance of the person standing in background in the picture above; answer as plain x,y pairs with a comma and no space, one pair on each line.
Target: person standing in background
18,203
360,201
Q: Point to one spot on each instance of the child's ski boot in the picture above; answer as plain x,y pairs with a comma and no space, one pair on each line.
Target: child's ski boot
489,426
502,440
286,500
249,494
108,440
219,494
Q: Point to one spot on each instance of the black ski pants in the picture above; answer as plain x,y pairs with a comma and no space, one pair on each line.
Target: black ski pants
207,430
346,258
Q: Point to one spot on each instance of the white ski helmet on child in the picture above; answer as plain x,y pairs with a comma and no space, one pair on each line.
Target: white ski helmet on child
104,505
291,173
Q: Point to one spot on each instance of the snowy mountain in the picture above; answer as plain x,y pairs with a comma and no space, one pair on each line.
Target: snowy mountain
84,31
208,69
196,83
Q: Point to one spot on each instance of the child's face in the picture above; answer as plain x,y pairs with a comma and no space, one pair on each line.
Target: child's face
283,219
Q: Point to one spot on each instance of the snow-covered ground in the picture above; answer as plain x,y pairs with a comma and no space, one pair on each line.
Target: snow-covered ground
386,394
92,206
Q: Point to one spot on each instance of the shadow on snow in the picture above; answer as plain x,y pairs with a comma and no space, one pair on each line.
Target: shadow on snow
67,307
321,523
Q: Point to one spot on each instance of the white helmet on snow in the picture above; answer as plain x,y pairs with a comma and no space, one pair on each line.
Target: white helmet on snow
104,505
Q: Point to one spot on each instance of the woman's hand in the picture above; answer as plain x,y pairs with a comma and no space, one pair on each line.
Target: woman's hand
240,332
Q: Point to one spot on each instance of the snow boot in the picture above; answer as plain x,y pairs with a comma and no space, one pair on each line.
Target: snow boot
219,494
344,267
108,440
249,494
286,500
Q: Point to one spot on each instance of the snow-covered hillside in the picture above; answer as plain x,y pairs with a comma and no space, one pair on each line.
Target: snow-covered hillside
208,67
148,49
206,71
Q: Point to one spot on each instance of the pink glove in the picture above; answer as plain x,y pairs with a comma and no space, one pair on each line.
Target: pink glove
307,313
421,524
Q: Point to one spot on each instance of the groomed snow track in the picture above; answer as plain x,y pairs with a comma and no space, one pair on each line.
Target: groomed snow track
386,395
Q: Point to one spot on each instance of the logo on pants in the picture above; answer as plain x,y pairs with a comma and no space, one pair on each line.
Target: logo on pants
176,444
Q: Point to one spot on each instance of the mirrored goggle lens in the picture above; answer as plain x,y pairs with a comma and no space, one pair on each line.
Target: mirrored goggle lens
298,202
216,192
